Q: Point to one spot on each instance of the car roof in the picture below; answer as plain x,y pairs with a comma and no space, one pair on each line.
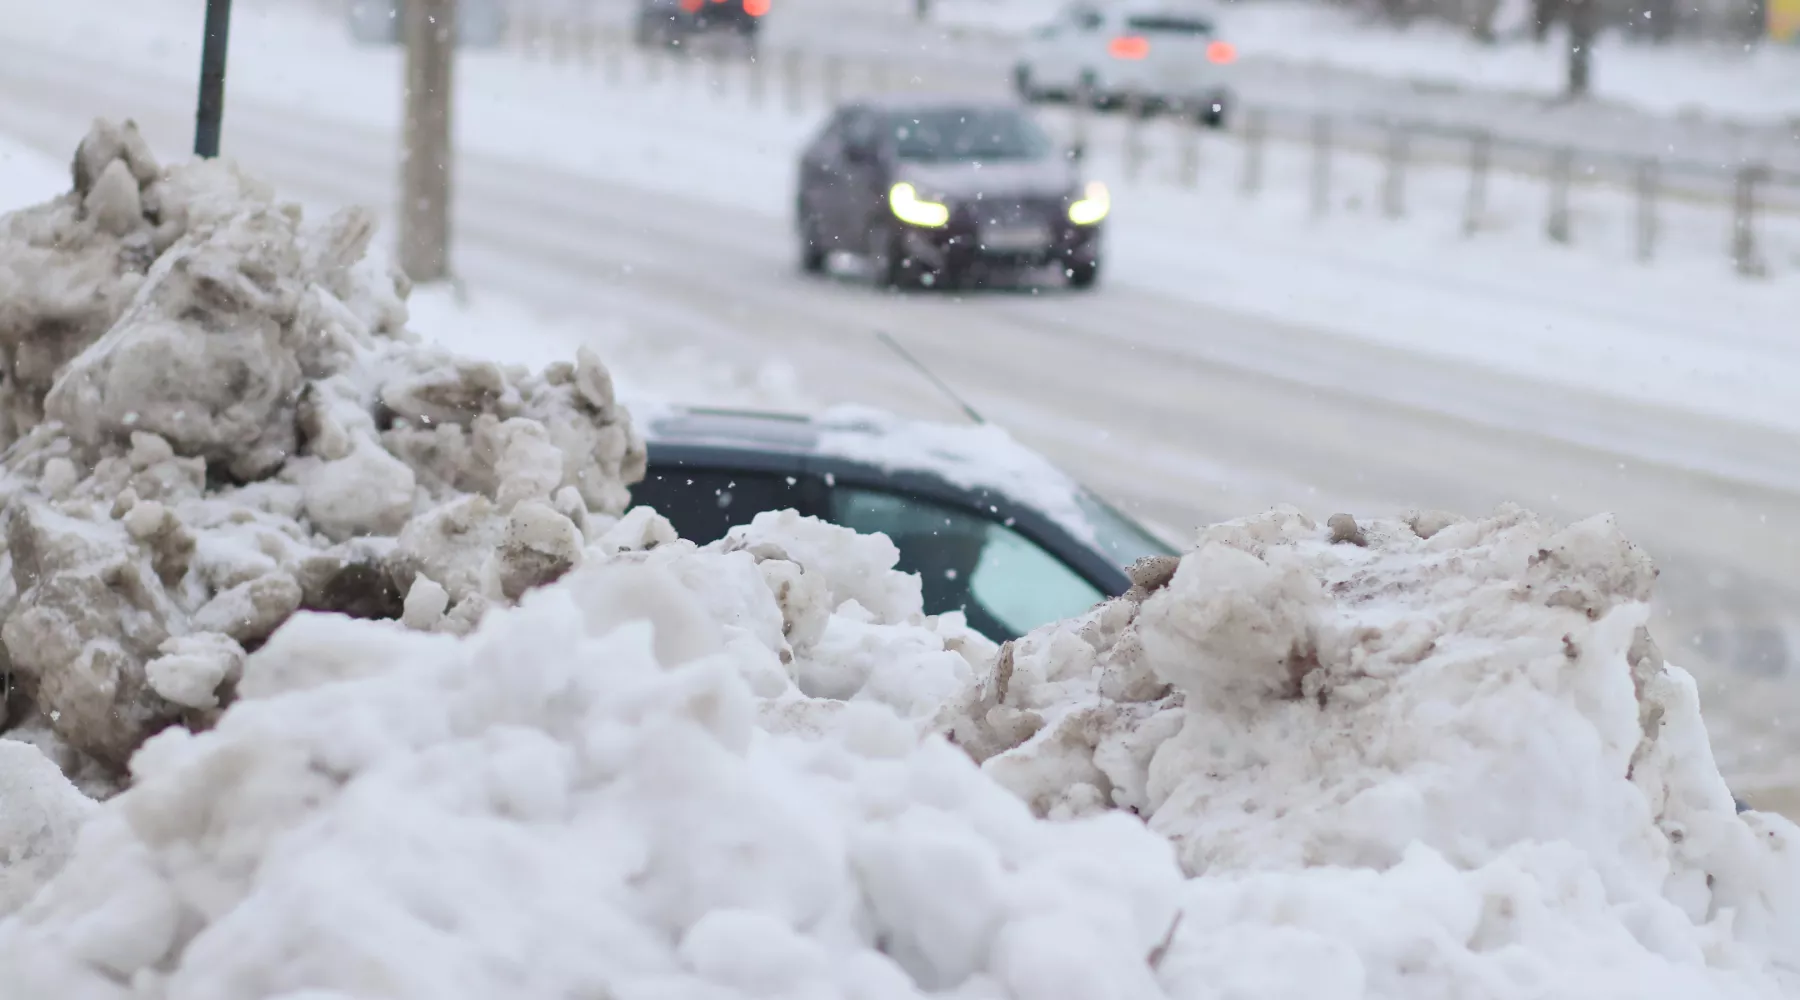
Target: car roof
910,100
972,457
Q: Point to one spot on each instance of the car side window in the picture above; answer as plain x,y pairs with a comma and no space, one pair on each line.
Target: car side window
703,504
862,130
1087,18
1004,582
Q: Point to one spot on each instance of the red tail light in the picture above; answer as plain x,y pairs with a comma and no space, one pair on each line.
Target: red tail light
692,5
756,8
1128,47
1221,52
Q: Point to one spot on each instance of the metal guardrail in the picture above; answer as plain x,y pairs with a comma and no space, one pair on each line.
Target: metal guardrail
1745,198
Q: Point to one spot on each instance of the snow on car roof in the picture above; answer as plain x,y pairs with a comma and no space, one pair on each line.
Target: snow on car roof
972,457
982,456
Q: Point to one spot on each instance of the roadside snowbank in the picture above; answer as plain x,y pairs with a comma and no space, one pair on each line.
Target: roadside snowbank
1438,757
583,757
214,417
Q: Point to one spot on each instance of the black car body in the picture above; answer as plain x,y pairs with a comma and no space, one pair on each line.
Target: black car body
1027,548
669,22
938,191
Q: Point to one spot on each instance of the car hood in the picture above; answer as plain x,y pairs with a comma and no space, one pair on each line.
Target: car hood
1052,177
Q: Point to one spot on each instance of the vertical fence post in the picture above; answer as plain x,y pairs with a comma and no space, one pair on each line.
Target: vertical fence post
1321,166
1190,147
1481,150
654,53
1744,252
1256,130
1134,137
757,82
612,51
1393,181
1648,182
1561,175
716,66
834,80
1082,110
790,79
559,39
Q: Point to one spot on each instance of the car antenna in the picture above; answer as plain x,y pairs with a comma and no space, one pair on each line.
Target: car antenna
882,335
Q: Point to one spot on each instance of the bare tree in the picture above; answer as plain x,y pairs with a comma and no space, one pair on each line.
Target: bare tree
430,33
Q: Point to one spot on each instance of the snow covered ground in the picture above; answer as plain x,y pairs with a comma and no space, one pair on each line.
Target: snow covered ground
386,698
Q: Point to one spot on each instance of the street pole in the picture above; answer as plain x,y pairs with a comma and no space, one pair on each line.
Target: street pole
430,32
210,115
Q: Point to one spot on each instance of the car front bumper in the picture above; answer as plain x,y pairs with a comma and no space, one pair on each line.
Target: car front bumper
981,236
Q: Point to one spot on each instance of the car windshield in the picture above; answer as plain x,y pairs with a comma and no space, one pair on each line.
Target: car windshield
1121,538
942,135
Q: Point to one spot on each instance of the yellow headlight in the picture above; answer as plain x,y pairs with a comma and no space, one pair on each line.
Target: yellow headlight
910,208
1092,208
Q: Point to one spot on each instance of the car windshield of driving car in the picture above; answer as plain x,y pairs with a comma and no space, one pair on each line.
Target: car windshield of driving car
946,135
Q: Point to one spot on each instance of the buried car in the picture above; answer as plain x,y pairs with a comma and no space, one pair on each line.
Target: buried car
934,191
991,527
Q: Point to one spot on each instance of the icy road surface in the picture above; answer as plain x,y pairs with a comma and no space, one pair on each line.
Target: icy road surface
1151,395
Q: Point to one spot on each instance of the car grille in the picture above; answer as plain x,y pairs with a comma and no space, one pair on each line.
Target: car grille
1012,211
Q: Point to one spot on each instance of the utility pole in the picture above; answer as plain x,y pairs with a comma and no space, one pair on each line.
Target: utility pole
210,115
429,27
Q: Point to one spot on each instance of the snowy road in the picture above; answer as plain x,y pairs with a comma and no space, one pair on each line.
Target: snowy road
1184,411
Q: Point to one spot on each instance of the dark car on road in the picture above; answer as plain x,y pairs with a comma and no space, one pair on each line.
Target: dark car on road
940,192
992,528
674,22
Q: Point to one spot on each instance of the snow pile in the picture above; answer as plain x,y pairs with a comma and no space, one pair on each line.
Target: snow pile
214,416
411,711
1432,757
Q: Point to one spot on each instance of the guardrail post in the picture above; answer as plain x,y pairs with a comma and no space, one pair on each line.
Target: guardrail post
757,81
613,45
1648,181
1481,151
654,54
715,65
559,40
1393,181
1744,252
1256,130
790,77
1190,147
1134,137
1561,174
834,80
1321,166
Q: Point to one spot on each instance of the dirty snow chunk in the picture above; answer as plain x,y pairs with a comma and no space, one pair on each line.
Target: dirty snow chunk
213,416
40,814
552,779
193,666
853,567
1400,768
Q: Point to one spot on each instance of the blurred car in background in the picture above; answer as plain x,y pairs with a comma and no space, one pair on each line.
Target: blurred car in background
937,191
991,527
480,24
674,22
1111,55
